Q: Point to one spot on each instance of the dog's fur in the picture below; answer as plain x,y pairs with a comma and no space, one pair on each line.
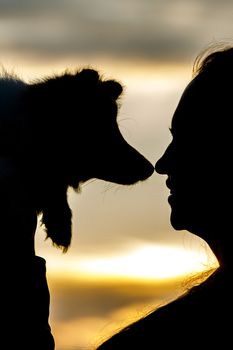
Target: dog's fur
62,131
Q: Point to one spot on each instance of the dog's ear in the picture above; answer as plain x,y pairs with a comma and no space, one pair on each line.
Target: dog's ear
88,76
57,216
91,78
112,88
57,222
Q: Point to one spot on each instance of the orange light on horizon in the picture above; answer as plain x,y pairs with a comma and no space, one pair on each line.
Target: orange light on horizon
147,262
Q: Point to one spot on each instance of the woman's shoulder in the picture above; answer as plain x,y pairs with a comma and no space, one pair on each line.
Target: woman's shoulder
179,321
198,302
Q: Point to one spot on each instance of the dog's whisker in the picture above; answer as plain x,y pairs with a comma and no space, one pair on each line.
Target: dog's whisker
89,182
111,186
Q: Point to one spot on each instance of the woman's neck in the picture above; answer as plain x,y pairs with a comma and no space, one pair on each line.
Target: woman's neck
224,254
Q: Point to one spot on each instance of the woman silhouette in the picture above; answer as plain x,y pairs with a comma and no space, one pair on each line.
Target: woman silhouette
197,163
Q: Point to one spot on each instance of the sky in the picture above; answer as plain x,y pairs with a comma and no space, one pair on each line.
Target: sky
125,258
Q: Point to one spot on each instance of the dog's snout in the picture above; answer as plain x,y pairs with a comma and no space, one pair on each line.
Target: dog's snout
148,169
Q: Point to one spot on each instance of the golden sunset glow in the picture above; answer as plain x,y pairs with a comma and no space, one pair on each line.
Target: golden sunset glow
147,262
147,277
125,258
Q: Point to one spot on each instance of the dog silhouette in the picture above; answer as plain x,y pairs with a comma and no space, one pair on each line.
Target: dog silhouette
59,132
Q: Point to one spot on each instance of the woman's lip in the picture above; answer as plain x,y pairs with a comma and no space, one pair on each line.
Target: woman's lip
168,184
170,198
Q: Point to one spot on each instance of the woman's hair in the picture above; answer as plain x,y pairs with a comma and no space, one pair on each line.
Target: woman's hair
215,58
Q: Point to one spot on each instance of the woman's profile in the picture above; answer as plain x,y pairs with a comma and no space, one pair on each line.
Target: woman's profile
197,164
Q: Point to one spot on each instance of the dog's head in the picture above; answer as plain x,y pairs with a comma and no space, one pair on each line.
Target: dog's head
70,135
77,130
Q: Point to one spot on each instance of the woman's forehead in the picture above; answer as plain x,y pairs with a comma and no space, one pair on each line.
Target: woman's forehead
191,104
193,91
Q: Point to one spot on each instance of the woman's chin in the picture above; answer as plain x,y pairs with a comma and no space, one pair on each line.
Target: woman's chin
180,220
183,222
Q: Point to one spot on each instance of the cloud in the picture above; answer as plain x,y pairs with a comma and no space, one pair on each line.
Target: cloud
72,299
84,313
151,30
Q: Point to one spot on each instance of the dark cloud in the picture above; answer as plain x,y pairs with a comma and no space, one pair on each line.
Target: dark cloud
23,8
158,30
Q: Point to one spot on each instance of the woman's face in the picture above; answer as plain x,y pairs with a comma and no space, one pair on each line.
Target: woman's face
188,164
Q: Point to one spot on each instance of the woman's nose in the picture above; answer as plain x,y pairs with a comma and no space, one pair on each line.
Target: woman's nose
159,167
163,164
